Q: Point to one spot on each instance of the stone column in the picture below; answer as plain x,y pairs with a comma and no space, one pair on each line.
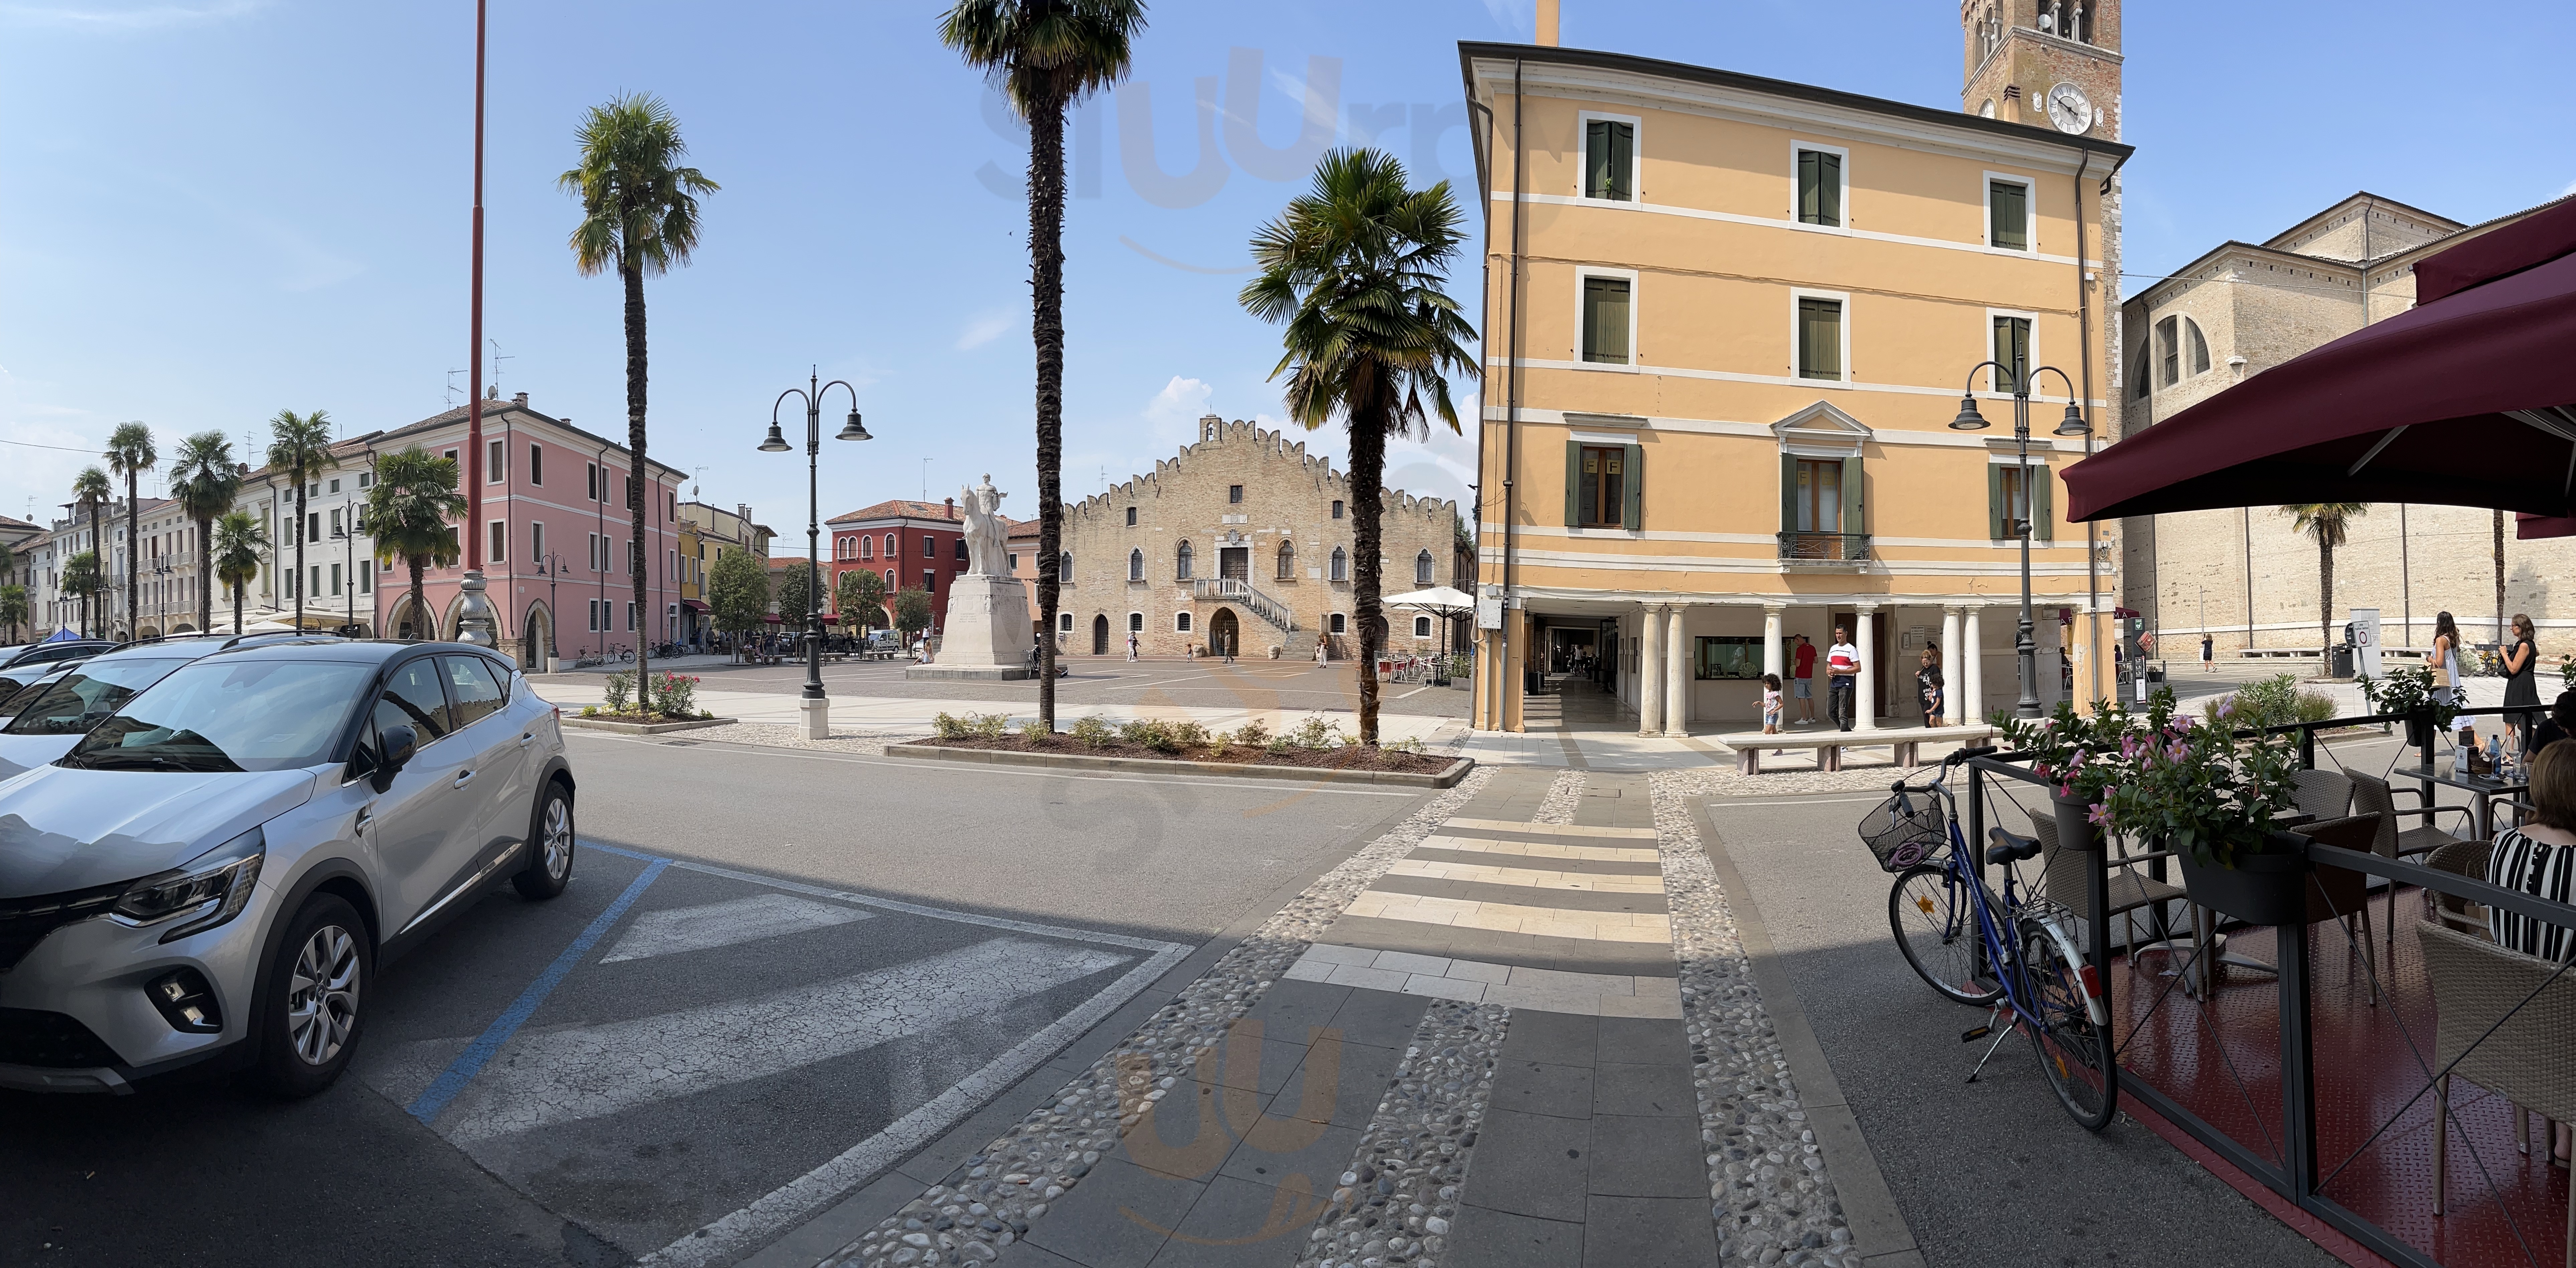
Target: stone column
1865,691
1972,656
1773,661
1953,686
1650,673
1677,675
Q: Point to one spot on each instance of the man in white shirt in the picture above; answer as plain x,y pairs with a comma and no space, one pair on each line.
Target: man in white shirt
1842,677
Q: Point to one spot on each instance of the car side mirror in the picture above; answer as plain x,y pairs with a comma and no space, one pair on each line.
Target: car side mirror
399,743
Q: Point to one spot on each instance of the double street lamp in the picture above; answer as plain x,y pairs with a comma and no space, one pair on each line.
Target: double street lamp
817,709
2025,647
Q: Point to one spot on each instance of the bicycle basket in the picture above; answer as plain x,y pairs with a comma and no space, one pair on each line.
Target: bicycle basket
1902,835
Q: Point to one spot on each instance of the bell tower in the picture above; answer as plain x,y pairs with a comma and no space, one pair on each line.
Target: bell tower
2021,54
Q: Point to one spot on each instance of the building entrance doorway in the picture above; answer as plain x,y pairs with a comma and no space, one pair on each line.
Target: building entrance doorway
1572,651
1224,632
1234,563
1100,635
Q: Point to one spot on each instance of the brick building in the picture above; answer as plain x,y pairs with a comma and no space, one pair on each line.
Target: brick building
1241,540
911,544
2247,577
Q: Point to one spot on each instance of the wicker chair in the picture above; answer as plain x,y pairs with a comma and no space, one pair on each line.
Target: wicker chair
2529,1059
2371,795
2339,893
2461,858
2064,874
2323,794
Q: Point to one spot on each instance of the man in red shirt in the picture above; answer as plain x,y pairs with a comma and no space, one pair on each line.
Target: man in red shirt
1805,679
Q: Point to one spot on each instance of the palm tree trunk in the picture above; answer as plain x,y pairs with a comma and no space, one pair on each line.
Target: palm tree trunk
419,601
2325,603
94,615
1046,291
205,572
1368,474
238,588
633,275
133,559
299,550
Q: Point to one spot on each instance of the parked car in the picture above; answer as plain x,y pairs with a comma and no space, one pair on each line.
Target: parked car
210,878
54,653
42,722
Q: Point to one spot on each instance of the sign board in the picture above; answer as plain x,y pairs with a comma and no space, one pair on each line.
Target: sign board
1489,613
2365,641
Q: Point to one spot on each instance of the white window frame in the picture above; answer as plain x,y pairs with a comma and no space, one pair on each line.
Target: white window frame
1422,626
1842,196
1636,158
1135,622
1181,622
2029,211
1337,623
1988,336
1583,273
1843,331
1064,622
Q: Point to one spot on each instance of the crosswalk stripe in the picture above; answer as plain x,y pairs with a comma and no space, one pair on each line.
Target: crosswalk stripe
1553,922
672,930
571,1075
1485,982
1542,849
1527,877
1551,829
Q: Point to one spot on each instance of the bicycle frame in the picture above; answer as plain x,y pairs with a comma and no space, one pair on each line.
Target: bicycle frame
1961,872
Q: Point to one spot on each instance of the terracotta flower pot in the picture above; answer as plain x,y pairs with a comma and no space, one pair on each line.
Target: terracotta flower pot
2262,889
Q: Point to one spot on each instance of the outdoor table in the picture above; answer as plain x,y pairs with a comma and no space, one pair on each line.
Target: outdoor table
2483,789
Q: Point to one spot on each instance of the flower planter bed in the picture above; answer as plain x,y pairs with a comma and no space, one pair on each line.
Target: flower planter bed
1359,765
641,724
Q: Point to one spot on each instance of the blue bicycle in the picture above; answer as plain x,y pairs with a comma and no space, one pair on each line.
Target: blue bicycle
2016,954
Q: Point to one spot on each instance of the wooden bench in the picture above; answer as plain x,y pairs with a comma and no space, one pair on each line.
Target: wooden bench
1828,745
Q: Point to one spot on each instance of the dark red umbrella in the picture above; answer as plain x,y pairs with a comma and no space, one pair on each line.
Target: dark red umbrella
2468,399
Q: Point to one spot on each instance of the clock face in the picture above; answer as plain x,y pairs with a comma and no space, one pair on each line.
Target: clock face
2069,109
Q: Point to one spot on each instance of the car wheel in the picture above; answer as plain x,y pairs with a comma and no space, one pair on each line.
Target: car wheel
550,838
316,984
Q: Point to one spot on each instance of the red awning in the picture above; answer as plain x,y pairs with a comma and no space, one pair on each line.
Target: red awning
2469,399
693,605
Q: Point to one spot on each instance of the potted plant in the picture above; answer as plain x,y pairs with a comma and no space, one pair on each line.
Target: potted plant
2408,691
2082,757
2211,798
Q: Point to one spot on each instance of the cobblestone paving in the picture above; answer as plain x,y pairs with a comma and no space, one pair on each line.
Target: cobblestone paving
1768,1192
1564,793
1396,1202
993,1197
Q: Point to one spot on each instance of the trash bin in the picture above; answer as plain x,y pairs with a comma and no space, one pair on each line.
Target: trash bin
2156,676
2342,662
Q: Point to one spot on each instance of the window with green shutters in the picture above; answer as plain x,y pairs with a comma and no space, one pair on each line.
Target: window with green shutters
1609,158
1604,486
2012,349
1820,338
1822,515
2008,212
1605,320
1820,188
2014,493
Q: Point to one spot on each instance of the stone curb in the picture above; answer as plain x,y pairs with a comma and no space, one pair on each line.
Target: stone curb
644,728
1445,778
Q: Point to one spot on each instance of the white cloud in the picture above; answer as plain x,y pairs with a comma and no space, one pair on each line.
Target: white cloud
2570,189
120,18
1175,411
985,328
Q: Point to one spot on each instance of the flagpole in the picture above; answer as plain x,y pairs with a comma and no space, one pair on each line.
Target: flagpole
474,623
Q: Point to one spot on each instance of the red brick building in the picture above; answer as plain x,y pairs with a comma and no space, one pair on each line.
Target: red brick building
908,543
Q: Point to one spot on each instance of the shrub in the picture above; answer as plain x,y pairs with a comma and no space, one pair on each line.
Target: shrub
2268,702
1252,732
946,727
989,726
675,696
590,711
1035,732
1092,731
1315,732
1219,743
1409,744
621,690
1188,735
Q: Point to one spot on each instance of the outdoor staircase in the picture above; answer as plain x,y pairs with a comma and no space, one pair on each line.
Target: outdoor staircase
1237,590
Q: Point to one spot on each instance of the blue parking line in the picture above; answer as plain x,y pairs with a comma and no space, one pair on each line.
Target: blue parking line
470,1062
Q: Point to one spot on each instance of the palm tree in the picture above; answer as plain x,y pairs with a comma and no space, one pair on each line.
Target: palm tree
299,447
237,546
639,216
407,513
205,480
1354,268
1045,55
13,609
90,489
130,454
2328,523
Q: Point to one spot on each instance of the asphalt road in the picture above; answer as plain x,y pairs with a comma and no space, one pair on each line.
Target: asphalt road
775,975
1291,686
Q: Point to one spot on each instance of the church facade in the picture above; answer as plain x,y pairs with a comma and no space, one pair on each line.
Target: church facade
1240,543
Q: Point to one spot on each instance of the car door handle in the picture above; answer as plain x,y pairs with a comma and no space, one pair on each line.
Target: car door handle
366,817
527,737
461,778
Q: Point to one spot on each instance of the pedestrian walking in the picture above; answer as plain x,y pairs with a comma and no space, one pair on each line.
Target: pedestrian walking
2521,658
2448,687
2208,654
1803,675
1131,644
1323,651
1842,677
1772,706
1927,687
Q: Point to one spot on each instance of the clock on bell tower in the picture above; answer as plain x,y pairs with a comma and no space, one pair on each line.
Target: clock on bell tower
2047,63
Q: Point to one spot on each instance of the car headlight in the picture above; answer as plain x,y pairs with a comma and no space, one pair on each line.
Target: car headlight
202,893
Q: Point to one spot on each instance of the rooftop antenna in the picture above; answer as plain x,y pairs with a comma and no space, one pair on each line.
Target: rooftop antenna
497,359
925,479
451,387
697,490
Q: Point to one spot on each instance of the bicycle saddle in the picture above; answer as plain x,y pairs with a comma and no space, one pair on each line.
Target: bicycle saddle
2008,848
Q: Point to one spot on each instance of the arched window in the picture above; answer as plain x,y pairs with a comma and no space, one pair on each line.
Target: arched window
889,545
1422,627
889,580
1287,561
1064,566
867,547
1181,562
1135,565
1339,624
2168,352
1341,565
1181,623
2199,346
1135,622
1422,569
2138,370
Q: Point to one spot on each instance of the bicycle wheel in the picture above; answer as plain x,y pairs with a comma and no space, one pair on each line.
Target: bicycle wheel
2073,1054
1928,911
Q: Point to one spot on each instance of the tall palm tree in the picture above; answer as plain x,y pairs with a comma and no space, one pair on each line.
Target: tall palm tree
407,513
639,216
13,608
299,448
2501,634
80,576
205,479
237,546
2329,523
91,490
1355,267
130,454
1045,55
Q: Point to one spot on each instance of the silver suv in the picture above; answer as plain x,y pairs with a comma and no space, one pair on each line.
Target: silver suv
213,873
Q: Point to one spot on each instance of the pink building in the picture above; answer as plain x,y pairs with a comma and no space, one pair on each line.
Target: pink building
557,538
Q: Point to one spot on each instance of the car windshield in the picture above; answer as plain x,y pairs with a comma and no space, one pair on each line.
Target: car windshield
221,714
17,683
80,699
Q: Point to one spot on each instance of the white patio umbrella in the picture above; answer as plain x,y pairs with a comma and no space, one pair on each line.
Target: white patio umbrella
1444,602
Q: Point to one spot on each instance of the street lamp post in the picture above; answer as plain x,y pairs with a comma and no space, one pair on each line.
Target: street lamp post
817,709
349,549
2025,646
551,567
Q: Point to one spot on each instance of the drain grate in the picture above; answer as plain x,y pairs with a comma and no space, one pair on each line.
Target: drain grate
679,743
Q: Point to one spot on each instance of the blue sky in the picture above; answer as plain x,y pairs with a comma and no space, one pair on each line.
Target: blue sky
214,209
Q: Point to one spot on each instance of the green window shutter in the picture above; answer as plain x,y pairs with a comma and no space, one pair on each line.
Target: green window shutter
1605,320
1623,158
1998,512
1820,339
1573,485
2043,502
1855,507
1809,178
1788,493
2012,348
2010,210
1632,516
1829,189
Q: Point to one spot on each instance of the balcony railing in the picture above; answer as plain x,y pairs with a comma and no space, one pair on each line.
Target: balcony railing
1238,590
1823,549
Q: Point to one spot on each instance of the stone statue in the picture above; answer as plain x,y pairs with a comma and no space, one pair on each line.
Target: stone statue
987,540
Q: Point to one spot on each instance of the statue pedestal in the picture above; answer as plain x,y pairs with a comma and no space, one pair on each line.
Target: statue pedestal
987,632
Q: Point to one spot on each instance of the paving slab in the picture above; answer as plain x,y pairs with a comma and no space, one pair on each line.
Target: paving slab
1532,1164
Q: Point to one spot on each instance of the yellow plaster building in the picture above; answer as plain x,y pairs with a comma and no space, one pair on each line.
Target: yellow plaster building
1727,322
